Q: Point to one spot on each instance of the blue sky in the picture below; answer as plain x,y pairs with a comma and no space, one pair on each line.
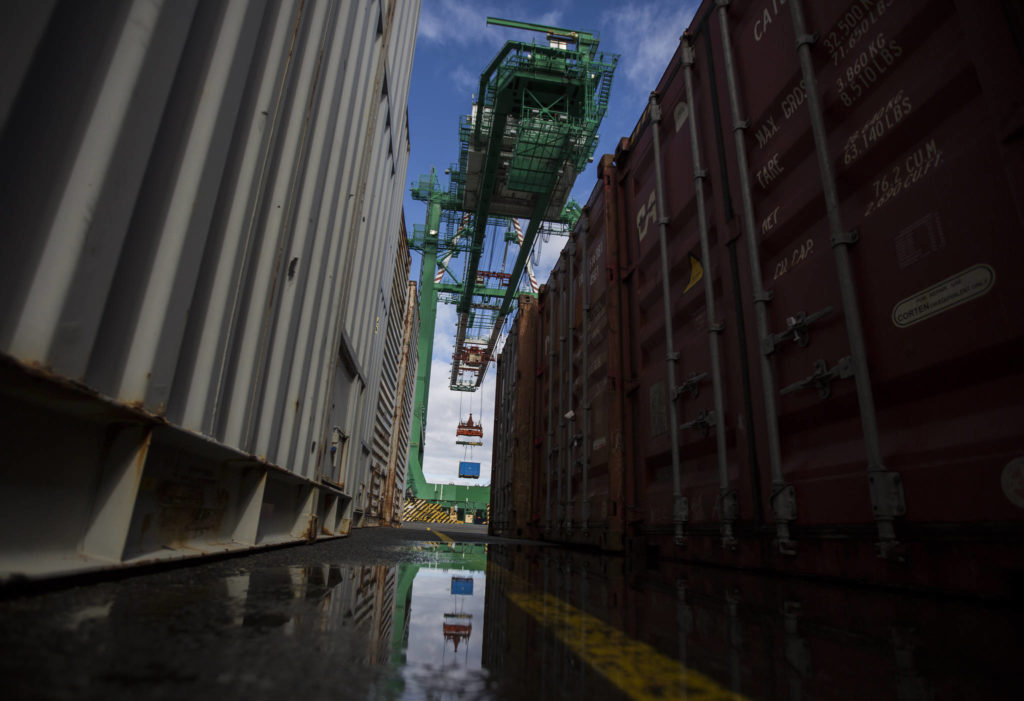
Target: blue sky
454,44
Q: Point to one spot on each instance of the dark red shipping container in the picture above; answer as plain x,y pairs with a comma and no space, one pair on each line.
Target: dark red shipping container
578,416
513,449
829,199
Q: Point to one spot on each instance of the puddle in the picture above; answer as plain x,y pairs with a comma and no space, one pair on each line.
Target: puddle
476,621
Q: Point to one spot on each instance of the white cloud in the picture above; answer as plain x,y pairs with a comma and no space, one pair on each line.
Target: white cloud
646,35
457,22
464,22
548,255
465,80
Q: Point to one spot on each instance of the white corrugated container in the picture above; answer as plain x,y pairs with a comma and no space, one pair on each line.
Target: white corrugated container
199,212
390,326
398,463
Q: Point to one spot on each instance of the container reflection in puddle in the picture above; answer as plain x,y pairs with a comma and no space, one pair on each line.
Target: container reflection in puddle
439,624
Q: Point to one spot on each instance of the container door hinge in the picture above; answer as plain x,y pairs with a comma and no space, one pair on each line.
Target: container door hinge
688,58
704,421
806,40
797,328
845,238
730,506
783,501
887,503
692,385
655,108
823,377
681,516
887,500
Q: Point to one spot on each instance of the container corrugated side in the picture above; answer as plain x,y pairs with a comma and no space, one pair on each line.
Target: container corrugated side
717,485
585,368
367,281
503,513
398,459
512,460
915,113
173,298
392,325
549,402
933,271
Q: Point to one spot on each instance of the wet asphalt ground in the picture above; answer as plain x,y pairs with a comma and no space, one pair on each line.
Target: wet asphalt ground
293,622
445,612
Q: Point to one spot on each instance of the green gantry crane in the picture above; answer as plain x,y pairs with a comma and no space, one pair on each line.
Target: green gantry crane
532,130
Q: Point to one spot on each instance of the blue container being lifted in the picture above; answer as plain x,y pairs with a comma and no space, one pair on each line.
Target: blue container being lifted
462,586
469,469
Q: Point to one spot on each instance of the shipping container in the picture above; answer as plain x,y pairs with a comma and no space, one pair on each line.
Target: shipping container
469,469
200,208
512,489
398,457
818,221
388,455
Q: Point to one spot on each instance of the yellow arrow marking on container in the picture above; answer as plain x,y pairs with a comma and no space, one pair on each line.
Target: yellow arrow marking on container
696,273
442,536
636,668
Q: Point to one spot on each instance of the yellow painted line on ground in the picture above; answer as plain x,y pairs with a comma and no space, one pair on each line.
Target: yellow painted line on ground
640,671
442,536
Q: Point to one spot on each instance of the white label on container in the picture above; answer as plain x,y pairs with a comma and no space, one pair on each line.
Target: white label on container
951,292
681,112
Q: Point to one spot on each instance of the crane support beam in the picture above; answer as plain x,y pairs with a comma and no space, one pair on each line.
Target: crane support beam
425,342
577,37
442,266
492,292
517,272
524,255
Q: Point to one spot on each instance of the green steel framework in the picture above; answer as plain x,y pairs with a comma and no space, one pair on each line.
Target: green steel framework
532,130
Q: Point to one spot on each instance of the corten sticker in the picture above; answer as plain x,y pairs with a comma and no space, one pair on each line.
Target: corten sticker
943,296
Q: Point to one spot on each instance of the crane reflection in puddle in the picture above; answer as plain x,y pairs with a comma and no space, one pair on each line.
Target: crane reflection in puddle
439,614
